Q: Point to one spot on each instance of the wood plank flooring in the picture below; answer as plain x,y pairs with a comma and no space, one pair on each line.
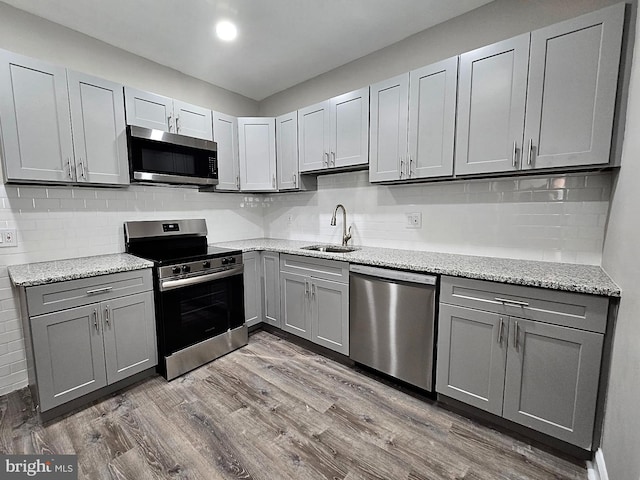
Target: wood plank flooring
273,410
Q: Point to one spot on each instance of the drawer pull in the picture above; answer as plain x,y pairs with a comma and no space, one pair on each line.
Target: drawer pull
501,331
95,319
99,290
516,336
515,303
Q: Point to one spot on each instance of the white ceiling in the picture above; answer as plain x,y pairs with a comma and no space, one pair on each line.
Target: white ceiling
280,42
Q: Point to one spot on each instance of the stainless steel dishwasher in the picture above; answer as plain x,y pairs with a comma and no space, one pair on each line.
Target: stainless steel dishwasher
392,322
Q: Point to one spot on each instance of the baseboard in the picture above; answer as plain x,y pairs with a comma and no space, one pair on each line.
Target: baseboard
597,470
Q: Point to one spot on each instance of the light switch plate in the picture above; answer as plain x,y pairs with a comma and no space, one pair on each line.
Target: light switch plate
414,220
8,237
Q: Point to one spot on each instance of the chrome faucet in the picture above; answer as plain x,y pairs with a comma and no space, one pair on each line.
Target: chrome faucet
346,236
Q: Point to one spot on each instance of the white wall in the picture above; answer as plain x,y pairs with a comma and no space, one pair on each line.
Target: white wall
558,218
621,260
23,33
490,23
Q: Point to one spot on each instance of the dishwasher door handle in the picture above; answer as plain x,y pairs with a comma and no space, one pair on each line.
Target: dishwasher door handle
398,275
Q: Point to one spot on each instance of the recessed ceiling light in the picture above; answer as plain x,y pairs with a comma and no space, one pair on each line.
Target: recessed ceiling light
226,31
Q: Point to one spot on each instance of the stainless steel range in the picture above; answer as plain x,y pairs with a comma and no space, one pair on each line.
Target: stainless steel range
199,293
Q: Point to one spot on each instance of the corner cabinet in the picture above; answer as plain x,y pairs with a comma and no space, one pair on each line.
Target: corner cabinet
564,76
529,355
225,134
83,335
60,126
261,288
149,110
334,134
315,300
257,152
413,124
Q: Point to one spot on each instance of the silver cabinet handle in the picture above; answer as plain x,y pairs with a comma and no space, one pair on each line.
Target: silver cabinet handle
69,165
514,154
82,170
295,180
238,181
333,158
313,290
326,161
95,319
516,336
106,315
401,167
99,290
169,121
273,181
529,151
515,303
306,288
410,166
501,331
177,125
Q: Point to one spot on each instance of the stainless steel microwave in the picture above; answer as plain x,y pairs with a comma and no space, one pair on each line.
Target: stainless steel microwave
162,157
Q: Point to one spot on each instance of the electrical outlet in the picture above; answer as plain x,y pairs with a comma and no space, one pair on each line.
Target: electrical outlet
414,220
289,219
8,237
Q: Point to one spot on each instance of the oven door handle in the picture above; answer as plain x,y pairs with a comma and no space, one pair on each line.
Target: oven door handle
166,285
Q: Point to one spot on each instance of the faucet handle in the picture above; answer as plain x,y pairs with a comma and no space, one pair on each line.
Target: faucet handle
347,237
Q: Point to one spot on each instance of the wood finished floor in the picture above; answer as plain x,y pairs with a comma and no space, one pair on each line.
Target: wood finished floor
273,410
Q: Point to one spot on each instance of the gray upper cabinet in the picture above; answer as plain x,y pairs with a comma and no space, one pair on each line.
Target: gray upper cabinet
335,133
34,115
491,105
287,151
59,125
389,129
413,124
573,77
432,119
257,152
526,354
149,110
99,129
225,134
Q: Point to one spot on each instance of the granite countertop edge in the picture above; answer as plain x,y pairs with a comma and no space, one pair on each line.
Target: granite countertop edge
42,273
577,278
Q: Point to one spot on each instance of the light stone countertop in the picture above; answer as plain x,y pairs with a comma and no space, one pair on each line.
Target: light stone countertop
31,274
569,277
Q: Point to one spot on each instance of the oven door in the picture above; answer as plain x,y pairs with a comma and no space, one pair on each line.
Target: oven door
197,308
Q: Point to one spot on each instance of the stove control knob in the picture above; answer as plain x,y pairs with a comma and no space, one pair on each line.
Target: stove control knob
186,268
232,259
225,261
206,264
175,270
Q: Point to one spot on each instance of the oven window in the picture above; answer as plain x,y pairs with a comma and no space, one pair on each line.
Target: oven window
195,313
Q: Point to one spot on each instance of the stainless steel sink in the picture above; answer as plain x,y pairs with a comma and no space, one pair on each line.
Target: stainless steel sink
331,248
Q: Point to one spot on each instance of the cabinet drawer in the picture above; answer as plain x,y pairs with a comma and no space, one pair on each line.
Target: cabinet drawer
315,267
586,312
74,293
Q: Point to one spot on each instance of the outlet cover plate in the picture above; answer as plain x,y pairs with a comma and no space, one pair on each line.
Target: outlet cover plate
414,220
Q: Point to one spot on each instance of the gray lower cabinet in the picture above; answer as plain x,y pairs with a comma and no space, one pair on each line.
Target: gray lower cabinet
315,300
530,356
261,288
85,334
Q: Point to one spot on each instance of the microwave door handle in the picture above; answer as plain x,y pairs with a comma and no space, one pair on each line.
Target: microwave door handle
166,285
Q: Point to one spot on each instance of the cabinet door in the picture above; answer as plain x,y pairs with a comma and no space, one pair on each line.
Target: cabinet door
349,121
471,356
192,120
257,141
432,118
225,133
313,137
552,379
573,77
149,110
69,354
287,151
389,124
295,291
271,287
34,113
129,335
330,315
252,289
99,129
491,103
